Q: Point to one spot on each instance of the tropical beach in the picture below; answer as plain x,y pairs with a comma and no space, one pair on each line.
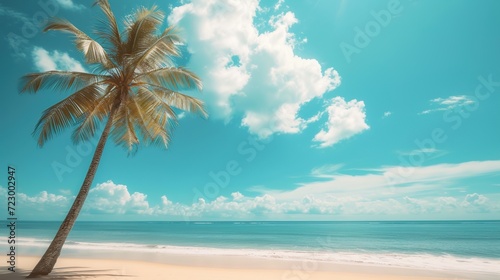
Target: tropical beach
268,250
256,139
107,269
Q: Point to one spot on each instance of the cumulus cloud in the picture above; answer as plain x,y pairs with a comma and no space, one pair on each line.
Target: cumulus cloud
112,198
374,193
269,83
55,60
365,195
269,206
43,197
449,103
475,199
44,205
345,119
476,202
40,198
237,196
387,114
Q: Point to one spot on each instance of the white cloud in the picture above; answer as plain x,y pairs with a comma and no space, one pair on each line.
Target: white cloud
449,103
70,5
278,4
270,83
345,119
268,206
453,100
327,170
476,199
65,192
237,196
364,196
43,197
475,202
112,198
46,61
374,193
391,181
387,114
44,205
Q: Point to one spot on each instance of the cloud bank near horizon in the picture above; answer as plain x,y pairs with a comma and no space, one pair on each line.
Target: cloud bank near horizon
431,191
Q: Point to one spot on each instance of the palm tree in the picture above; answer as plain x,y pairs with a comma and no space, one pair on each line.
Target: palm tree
133,89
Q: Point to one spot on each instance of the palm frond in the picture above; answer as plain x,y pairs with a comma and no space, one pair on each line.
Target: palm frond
88,122
111,31
141,27
123,132
65,113
180,101
136,88
171,77
91,49
153,123
154,102
157,54
58,80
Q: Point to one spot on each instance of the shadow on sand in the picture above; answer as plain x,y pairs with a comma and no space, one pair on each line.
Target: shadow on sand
67,273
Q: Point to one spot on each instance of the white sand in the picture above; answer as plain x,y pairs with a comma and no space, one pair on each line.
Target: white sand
81,268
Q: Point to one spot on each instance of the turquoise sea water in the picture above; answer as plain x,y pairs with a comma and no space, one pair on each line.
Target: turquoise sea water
466,245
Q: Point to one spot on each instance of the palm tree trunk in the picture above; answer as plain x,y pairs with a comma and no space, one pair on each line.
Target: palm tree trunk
48,260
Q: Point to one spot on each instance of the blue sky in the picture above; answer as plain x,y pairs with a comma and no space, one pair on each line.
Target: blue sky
319,110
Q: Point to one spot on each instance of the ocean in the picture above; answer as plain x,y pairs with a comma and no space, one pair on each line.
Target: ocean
469,246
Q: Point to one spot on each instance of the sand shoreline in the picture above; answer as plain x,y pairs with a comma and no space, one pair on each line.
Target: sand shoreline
216,268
